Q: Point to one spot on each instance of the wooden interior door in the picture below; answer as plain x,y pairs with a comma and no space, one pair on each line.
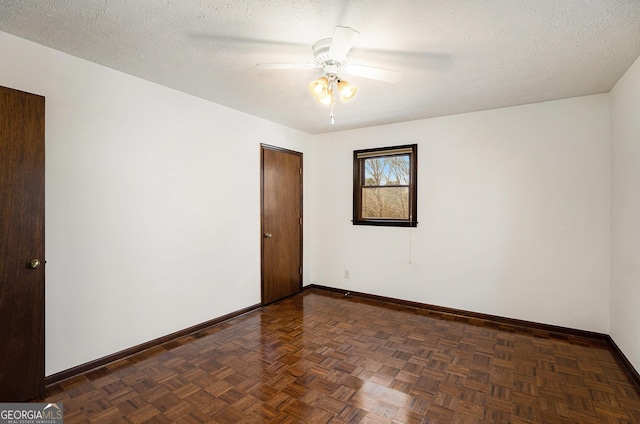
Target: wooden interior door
281,223
21,245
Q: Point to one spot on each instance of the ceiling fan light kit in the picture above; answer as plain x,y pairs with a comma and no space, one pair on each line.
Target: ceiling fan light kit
324,87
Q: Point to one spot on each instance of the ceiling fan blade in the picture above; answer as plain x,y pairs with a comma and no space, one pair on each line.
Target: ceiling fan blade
386,75
343,40
286,65
220,38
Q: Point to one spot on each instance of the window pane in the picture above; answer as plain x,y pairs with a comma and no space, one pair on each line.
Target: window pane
386,171
385,202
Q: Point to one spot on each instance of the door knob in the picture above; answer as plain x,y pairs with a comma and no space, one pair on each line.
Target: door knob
33,264
268,235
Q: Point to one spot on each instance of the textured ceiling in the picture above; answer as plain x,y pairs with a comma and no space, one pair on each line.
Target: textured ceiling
456,56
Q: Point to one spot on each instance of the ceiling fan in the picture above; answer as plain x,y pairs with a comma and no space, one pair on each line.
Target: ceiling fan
331,55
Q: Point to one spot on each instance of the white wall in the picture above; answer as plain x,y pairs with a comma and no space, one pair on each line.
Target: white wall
152,204
625,242
513,211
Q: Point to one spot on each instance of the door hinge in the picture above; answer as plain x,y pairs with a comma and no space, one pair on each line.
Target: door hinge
300,221
300,171
300,270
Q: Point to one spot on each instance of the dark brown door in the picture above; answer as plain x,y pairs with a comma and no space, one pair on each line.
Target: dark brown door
281,223
21,245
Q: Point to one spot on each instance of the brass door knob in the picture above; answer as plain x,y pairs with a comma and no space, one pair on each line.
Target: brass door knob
33,264
268,235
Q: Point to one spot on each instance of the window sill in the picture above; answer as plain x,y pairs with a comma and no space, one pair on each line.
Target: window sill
385,223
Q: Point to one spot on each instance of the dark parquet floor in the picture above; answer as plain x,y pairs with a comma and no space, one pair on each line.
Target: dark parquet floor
321,358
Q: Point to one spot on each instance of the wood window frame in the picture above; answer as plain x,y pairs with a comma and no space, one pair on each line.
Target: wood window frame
359,156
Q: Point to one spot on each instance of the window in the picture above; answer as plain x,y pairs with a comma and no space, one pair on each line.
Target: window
385,186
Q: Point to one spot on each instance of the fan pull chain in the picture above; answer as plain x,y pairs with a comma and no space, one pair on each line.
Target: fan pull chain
331,115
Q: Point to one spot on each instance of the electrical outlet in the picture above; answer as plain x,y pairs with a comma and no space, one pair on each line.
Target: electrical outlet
346,273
